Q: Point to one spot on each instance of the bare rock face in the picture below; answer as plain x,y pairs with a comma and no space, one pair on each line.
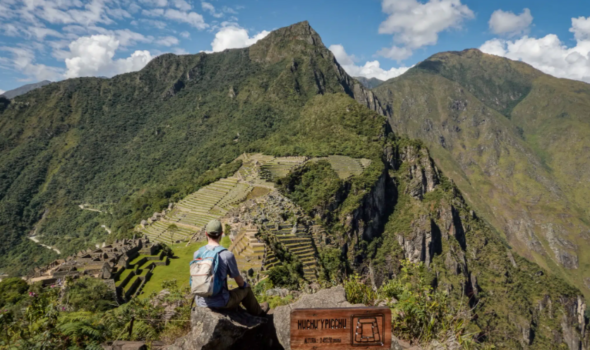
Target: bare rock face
327,298
212,330
423,242
423,174
366,98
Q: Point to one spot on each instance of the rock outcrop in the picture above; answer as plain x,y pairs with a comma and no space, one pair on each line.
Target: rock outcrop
218,330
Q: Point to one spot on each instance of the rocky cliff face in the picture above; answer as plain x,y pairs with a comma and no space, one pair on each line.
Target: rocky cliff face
500,129
513,303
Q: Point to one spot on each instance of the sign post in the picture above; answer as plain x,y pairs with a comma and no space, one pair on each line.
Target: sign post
345,328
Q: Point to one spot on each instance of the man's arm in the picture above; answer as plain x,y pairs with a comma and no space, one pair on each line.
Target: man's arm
240,281
233,271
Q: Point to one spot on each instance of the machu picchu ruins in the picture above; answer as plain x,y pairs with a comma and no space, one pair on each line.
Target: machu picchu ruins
125,265
265,229
262,223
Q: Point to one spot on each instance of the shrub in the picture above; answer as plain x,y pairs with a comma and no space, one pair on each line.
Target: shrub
89,294
359,293
286,275
419,312
12,290
334,266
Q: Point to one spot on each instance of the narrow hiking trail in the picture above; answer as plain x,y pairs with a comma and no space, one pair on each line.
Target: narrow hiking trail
36,240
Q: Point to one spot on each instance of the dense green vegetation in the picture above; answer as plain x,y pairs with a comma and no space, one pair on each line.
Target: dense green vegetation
311,185
84,315
127,146
418,311
515,142
12,290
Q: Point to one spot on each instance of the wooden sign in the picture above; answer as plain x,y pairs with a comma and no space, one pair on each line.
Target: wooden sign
346,328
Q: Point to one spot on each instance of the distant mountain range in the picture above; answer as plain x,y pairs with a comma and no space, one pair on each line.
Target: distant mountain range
10,94
369,83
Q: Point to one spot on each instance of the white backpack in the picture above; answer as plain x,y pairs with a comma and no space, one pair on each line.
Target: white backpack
204,280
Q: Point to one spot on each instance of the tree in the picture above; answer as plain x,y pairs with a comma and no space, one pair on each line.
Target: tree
12,290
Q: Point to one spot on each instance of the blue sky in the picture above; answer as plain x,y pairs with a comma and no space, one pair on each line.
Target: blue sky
60,39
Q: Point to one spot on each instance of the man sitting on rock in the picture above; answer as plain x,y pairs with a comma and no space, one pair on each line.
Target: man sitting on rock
228,299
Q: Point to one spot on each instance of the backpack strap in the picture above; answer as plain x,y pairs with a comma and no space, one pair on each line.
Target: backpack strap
199,252
217,251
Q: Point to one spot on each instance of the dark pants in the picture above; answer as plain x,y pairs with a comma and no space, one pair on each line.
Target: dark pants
246,298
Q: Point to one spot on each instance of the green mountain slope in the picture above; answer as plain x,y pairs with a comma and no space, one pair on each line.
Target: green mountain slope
147,134
514,140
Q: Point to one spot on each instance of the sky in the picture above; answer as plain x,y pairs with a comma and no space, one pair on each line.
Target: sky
61,39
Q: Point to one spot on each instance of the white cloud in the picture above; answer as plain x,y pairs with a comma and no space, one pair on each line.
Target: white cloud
93,56
40,33
549,54
234,37
395,53
182,5
153,23
415,24
9,29
127,37
192,18
371,69
118,13
229,10
167,41
185,35
507,23
23,60
155,3
581,28
133,8
2,91
211,9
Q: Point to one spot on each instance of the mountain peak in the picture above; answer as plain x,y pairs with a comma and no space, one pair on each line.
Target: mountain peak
286,41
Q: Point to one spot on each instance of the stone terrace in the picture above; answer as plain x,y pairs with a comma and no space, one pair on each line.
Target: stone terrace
125,265
248,249
280,167
296,240
262,220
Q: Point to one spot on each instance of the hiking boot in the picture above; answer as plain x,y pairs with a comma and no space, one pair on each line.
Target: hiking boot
264,307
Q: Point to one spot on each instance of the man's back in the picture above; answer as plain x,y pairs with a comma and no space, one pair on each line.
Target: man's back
227,266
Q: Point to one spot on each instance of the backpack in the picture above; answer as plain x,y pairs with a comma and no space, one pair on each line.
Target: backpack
204,280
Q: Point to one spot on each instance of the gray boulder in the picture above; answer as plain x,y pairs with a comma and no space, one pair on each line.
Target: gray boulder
281,292
224,330
334,297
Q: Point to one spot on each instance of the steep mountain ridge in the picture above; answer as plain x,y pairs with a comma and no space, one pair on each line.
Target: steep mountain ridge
24,89
512,138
